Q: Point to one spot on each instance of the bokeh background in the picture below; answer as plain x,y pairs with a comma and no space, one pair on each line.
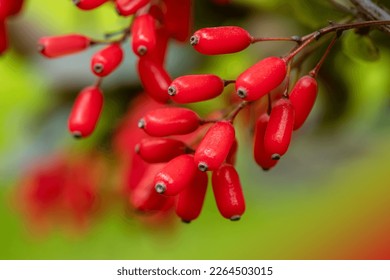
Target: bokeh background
329,198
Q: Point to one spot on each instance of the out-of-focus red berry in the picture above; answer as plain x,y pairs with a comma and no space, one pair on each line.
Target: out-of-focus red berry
221,40
178,19
228,192
214,148
195,88
176,175
85,112
278,133
155,150
89,4
302,97
3,36
262,158
56,46
106,60
169,121
129,7
190,201
261,78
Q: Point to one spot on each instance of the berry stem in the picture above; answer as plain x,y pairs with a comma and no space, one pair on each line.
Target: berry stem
315,70
296,39
237,110
228,82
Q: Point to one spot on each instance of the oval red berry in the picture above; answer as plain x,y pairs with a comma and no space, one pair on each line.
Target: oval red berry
129,7
178,18
261,78
262,158
215,146
89,4
85,112
190,200
279,129
3,37
176,175
228,192
56,46
143,33
302,96
154,150
195,88
106,60
169,121
220,40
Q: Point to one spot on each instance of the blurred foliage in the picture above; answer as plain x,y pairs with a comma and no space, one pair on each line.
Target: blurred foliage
323,201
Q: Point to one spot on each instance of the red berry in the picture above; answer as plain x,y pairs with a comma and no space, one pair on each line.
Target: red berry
56,46
262,158
169,121
85,112
143,33
302,97
228,193
195,88
88,4
154,79
3,36
10,8
129,7
178,19
176,175
106,60
215,146
279,129
154,150
220,40
158,54
190,201
261,78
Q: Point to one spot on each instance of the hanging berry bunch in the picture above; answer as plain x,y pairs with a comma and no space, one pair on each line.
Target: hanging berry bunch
171,167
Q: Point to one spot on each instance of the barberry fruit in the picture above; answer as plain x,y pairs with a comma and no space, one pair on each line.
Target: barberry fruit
3,36
10,8
55,46
154,78
261,78
176,175
129,7
143,33
221,40
85,112
190,200
195,88
89,4
279,129
178,19
154,150
228,192
262,158
302,97
215,146
169,121
106,60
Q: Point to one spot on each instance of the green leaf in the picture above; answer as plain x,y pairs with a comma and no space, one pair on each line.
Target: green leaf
360,47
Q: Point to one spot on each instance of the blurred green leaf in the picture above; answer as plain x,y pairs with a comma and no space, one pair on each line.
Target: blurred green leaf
360,47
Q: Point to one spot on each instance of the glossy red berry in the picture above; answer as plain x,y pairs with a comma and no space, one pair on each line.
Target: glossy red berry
176,175
154,78
106,60
158,54
261,78
89,4
169,121
129,7
154,150
215,146
262,158
195,88
220,40
143,33
3,37
190,200
228,192
85,112
55,46
279,129
302,96
178,19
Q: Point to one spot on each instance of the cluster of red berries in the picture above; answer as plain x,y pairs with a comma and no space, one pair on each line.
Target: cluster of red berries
166,170
8,8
